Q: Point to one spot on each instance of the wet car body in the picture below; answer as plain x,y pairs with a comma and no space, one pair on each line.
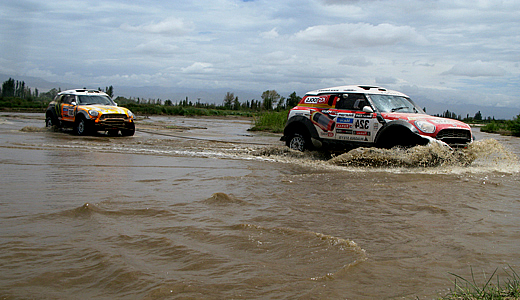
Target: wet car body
88,111
347,117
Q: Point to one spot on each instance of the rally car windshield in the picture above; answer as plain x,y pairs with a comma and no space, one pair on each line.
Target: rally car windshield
94,99
388,103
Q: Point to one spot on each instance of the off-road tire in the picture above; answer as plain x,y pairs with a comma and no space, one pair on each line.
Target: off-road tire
299,141
128,131
81,127
113,132
51,122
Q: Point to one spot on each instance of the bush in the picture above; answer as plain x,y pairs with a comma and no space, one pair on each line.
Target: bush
515,126
271,121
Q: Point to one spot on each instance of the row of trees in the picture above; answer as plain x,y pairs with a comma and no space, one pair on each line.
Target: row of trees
17,89
476,118
15,93
270,101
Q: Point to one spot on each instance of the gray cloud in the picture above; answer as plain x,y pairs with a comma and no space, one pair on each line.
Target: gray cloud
349,35
170,26
476,69
288,45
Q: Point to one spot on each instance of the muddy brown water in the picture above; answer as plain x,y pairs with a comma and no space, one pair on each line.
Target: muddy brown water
200,208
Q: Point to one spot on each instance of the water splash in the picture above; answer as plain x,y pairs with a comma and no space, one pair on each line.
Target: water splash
433,155
37,129
485,153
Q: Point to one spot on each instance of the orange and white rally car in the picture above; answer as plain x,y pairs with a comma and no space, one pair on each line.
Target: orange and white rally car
346,117
87,111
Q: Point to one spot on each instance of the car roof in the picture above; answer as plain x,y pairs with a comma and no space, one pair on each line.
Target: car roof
365,89
82,92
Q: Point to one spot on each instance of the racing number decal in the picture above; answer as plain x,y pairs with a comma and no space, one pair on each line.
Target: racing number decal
362,124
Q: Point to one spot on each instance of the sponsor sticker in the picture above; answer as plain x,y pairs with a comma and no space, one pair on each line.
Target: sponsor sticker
351,138
345,115
344,131
345,120
441,121
366,133
364,116
315,100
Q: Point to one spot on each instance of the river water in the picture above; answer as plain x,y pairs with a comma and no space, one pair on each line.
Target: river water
200,208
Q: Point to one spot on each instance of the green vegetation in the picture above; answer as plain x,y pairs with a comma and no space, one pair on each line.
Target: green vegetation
270,121
504,127
179,110
470,290
269,113
15,96
489,125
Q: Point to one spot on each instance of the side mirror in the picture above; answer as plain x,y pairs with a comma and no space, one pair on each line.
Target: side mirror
368,109
73,103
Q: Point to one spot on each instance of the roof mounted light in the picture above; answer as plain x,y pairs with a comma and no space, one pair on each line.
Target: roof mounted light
368,87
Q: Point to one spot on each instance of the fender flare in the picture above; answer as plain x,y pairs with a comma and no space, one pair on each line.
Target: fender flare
81,113
297,121
414,138
51,112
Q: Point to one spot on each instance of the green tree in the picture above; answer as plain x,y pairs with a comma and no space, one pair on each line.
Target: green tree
281,104
478,116
515,126
51,94
269,97
228,100
236,104
293,100
8,88
110,91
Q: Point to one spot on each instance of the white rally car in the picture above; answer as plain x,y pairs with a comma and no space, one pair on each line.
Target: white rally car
346,117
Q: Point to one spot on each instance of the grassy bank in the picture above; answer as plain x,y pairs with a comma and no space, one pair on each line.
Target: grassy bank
469,289
503,127
270,121
178,110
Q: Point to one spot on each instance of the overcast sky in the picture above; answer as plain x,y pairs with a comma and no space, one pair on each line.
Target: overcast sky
461,51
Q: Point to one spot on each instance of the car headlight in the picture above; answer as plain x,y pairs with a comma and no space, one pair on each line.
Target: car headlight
130,114
425,126
93,113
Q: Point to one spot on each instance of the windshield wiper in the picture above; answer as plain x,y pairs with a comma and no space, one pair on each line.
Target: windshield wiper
399,108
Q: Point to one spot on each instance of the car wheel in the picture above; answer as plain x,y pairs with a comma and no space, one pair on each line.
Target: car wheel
49,122
127,132
299,141
113,132
81,127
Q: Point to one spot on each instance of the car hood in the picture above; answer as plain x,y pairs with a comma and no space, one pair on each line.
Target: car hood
106,109
437,121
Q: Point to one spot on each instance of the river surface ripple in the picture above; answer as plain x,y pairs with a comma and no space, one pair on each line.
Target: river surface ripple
200,208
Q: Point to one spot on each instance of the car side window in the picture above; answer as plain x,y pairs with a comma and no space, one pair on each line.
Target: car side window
68,99
351,102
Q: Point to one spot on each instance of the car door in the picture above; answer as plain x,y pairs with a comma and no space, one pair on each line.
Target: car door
67,108
352,123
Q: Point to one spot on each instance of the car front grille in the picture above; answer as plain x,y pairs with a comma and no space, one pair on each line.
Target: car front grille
454,136
112,116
